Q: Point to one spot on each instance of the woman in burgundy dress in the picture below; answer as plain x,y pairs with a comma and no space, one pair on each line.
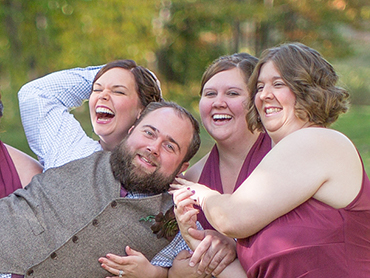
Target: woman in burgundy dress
16,169
304,211
237,151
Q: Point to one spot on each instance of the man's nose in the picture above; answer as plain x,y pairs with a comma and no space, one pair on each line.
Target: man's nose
153,148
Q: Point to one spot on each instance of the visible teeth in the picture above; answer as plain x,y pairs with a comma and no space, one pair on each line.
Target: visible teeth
221,117
148,161
104,110
272,110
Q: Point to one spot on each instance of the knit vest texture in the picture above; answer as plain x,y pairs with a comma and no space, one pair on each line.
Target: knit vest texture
68,217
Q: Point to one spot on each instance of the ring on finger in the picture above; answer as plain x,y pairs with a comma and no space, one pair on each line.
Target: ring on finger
120,273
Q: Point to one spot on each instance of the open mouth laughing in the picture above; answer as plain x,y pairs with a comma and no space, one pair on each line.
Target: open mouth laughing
272,110
221,117
104,114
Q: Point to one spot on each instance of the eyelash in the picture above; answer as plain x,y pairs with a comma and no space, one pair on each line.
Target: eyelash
169,146
115,92
208,94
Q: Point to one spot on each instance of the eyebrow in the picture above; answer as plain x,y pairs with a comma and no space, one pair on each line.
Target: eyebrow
273,78
114,86
169,138
229,88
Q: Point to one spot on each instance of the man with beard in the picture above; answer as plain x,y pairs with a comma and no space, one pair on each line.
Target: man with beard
70,216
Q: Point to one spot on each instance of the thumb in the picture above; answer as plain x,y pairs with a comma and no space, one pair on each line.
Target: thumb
197,234
132,252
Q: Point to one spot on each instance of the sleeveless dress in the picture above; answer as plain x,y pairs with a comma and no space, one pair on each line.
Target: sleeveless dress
9,179
211,177
314,240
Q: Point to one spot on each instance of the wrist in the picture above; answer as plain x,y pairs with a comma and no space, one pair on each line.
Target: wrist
158,272
203,201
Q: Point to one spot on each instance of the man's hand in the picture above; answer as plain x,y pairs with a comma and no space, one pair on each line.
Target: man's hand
134,265
180,267
214,253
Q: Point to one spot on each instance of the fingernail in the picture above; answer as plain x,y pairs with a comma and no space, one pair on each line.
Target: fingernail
193,191
188,188
191,264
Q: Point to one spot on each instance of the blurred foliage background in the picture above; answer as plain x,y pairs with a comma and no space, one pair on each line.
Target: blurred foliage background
177,39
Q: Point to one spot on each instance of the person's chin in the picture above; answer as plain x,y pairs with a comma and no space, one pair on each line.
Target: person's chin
141,170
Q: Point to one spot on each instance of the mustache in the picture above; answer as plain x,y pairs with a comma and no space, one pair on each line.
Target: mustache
150,157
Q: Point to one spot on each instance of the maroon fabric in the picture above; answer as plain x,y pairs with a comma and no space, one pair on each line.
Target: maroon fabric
123,192
313,241
9,179
211,177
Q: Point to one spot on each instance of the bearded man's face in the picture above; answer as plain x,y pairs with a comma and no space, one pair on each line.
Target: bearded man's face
134,177
153,153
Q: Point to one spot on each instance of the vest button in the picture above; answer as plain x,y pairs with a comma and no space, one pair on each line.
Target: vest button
95,222
113,204
30,272
53,256
75,239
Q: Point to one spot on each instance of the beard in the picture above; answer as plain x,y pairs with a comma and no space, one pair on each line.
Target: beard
134,178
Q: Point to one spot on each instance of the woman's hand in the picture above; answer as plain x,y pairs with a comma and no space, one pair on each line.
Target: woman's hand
214,253
180,267
199,192
134,265
186,214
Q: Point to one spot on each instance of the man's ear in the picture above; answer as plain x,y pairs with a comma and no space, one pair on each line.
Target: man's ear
139,114
184,166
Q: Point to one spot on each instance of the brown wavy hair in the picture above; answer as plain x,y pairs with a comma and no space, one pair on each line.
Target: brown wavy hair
310,77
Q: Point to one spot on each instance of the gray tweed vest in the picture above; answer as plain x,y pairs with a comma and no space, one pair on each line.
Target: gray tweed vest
70,216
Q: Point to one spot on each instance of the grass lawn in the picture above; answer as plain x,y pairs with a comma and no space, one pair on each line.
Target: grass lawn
356,125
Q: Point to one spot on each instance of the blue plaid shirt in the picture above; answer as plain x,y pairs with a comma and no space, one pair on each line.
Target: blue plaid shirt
53,133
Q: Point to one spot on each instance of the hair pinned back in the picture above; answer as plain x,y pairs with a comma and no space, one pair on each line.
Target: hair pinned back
147,84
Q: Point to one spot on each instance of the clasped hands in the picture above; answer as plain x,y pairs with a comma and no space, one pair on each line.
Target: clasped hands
212,250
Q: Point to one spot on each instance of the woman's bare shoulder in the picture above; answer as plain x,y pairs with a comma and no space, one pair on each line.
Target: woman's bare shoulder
194,172
25,165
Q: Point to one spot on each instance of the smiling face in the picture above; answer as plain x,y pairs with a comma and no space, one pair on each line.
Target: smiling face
159,147
275,103
222,104
114,106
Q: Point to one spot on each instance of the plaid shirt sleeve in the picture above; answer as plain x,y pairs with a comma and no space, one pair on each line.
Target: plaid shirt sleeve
53,133
166,256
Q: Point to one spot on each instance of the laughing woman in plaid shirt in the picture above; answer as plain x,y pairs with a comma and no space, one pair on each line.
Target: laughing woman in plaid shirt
117,93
